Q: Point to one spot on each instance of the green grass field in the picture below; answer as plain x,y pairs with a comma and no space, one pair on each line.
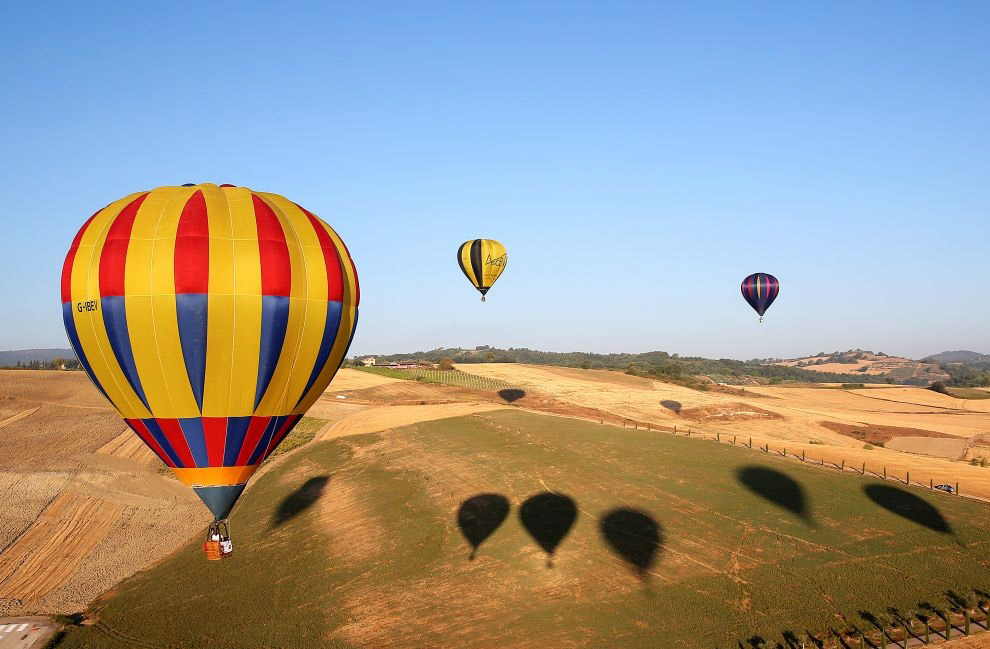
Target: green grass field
969,393
440,377
677,542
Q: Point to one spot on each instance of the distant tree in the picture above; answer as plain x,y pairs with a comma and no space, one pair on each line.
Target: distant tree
585,365
938,386
490,357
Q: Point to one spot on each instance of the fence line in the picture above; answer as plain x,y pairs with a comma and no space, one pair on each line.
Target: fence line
841,466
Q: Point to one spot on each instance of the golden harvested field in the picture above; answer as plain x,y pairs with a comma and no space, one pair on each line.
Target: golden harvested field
83,502
799,412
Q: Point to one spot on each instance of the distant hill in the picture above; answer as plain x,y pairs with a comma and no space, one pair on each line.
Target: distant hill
669,366
862,362
27,356
960,356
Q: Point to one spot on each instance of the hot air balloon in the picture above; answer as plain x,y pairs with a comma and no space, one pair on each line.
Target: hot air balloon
482,261
211,318
760,290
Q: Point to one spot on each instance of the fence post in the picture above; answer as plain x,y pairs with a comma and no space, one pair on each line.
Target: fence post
948,625
751,443
957,488
733,440
927,630
931,484
802,455
843,464
885,472
718,437
767,449
907,478
883,638
966,614
785,452
864,468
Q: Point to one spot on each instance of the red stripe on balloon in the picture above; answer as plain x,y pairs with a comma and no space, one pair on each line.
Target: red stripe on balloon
113,259
276,273
175,436
256,429
192,247
142,431
70,258
335,274
215,433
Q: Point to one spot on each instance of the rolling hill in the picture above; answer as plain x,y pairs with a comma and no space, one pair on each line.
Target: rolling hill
513,529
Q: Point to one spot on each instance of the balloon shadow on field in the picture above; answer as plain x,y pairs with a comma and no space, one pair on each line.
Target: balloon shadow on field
511,394
779,488
635,536
479,516
909,506
548,517
300,500
673,406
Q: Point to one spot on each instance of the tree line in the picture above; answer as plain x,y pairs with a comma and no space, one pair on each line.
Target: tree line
656,363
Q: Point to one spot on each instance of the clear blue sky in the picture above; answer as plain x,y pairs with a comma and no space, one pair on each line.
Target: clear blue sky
637,160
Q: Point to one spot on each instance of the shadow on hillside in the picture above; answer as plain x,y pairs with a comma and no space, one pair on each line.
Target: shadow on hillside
635,536
673,406
479,516
776,487
909,506
300,500
548,517
511,394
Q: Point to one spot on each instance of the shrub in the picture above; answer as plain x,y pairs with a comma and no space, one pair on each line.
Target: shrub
938,386
446,363
868,447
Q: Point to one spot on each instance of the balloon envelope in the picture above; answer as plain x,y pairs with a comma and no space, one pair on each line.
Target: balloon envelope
211,318
760,290
482,261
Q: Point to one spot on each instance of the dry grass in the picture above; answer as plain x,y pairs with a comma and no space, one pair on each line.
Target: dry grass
879,435
46,555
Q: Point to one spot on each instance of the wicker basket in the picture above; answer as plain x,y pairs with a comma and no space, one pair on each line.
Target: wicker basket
212,550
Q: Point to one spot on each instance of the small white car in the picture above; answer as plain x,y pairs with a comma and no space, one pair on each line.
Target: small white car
946,488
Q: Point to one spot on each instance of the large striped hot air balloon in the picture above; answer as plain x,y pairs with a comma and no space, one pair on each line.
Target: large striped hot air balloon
211,318
760,290
482,261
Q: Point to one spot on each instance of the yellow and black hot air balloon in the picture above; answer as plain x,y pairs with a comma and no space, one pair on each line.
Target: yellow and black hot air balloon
482,261
211,318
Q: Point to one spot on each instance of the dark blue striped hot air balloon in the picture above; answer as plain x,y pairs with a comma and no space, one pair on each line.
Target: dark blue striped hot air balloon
760,290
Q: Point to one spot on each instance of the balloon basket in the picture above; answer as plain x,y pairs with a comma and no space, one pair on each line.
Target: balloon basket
482,298
761,319
218,544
